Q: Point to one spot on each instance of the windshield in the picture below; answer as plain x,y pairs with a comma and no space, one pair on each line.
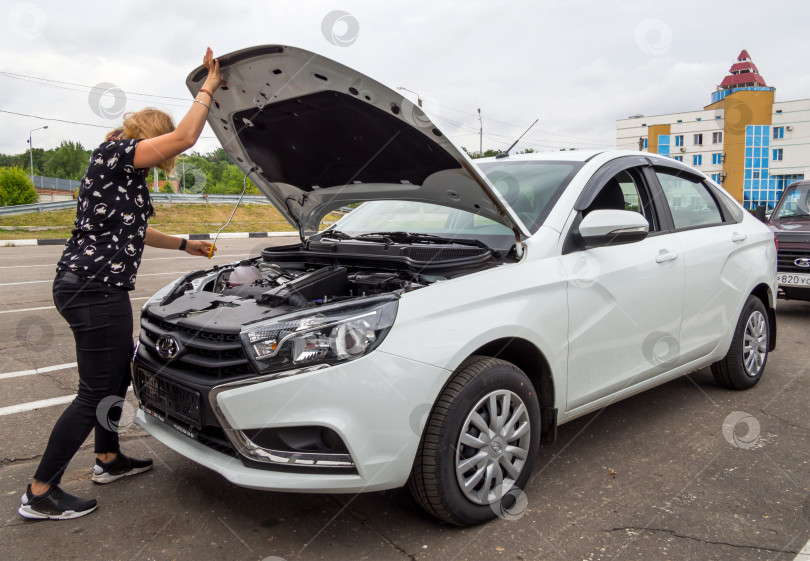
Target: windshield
530,187
795,202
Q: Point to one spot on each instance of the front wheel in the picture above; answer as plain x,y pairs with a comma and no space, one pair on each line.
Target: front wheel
479,445
742,367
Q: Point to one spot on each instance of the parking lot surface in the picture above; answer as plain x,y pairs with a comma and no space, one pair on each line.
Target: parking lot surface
687,470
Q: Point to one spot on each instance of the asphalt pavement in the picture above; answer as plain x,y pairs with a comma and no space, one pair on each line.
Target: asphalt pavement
687,470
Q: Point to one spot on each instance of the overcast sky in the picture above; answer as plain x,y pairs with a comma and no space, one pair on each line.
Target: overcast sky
577,65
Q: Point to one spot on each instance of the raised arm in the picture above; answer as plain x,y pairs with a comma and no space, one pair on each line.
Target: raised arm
152,151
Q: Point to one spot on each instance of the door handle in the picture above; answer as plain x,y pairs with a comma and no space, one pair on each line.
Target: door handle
666,255
739,236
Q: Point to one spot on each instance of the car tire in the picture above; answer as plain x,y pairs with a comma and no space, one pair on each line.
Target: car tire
745,361
439,469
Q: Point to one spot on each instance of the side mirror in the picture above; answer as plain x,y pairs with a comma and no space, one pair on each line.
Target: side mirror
613,227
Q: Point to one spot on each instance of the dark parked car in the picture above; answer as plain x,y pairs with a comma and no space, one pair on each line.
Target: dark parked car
790,223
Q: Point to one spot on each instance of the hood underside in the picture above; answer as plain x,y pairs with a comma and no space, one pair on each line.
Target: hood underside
319,135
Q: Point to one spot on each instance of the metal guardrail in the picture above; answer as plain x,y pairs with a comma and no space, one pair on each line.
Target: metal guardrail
171,198
203,198
37,207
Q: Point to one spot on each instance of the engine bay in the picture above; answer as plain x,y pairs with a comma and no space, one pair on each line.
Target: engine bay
308,287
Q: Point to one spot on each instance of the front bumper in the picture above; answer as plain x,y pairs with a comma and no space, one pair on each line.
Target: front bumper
378,405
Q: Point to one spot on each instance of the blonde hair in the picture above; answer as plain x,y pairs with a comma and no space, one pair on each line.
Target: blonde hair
146,123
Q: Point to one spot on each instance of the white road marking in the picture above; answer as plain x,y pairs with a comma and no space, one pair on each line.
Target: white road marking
29,309
30,406
54,307
37,370
804,554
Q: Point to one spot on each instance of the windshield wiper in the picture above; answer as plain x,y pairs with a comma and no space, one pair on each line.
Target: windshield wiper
408,237
336,234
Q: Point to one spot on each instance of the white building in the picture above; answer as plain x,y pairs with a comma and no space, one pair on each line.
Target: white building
743,140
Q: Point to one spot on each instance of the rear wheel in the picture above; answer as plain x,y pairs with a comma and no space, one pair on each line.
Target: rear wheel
742,367
479,445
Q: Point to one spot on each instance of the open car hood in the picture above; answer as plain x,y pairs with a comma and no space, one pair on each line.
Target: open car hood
320,135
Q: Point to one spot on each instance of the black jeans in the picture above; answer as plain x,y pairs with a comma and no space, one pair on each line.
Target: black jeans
100,316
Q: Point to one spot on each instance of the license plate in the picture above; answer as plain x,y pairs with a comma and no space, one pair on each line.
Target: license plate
164,395
793,279
176,425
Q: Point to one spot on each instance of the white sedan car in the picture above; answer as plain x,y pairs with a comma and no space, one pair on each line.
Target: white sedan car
438,334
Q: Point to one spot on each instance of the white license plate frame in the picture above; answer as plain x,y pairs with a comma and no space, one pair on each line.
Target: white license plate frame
793,279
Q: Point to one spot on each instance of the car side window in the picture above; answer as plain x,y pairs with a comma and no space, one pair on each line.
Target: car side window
690,202
625,191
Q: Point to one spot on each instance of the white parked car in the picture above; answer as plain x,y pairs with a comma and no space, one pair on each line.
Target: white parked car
438,334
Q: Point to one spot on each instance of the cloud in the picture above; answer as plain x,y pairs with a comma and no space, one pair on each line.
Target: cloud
578,65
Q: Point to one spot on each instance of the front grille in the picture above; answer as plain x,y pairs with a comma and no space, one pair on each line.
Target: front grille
213,355
786,260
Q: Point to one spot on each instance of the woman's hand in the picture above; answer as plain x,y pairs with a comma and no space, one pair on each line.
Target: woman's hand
199,248
214,79
151,152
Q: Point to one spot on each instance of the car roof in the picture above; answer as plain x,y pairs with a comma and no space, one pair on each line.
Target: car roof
575,156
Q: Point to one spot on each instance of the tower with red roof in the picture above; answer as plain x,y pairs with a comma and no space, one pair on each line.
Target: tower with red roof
743,75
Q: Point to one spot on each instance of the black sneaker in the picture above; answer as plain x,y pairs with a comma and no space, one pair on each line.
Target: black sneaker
120,467
54,505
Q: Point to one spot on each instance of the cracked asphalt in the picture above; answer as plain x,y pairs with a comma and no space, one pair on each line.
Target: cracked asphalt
650,477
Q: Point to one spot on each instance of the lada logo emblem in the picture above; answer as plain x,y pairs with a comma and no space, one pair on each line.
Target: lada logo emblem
496,447
802,262
167,347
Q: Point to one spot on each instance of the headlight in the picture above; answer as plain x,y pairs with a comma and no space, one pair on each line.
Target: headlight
325,335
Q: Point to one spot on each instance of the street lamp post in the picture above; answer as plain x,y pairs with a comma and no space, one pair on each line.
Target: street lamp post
418,97
480,133
31,150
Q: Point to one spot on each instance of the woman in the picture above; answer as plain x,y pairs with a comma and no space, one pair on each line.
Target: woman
91,291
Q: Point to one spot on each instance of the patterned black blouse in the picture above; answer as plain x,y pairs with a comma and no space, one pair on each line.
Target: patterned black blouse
112,213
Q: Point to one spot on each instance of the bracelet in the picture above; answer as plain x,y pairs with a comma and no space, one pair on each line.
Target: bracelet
203,104
206,91
182,244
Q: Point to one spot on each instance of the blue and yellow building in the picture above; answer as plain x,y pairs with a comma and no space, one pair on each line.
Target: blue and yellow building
744,140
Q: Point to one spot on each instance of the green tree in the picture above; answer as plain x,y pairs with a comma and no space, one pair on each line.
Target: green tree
69,161
486,154
16,187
